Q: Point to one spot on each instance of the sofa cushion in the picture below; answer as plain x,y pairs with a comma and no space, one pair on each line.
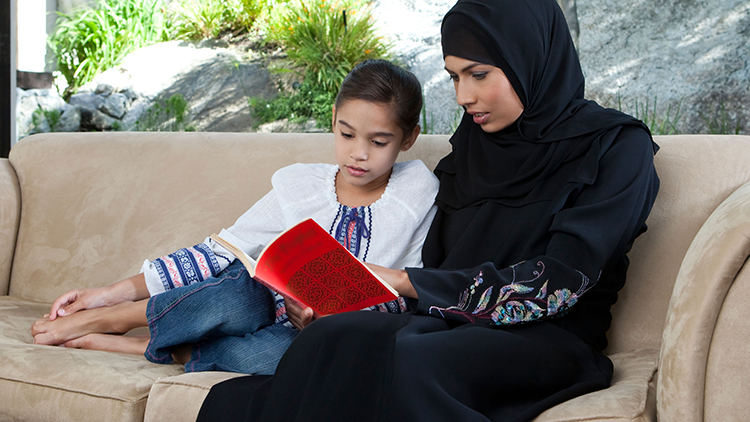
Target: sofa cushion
180,398
631,397
55,383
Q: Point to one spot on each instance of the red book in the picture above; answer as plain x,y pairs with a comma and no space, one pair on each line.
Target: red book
308,265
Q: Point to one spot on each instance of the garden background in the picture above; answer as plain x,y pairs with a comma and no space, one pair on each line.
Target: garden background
682,66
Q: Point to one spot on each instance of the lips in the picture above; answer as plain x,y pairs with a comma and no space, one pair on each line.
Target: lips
356,171
480,118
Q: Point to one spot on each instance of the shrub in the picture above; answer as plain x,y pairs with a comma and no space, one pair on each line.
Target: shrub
200,19
91,41
323,40
303,103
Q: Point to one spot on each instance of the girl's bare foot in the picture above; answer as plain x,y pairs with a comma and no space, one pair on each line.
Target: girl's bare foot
110,343
119,318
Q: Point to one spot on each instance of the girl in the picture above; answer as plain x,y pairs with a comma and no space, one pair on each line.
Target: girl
201,296
540,199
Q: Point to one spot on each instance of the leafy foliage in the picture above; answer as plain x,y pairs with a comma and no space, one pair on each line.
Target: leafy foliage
308,101
323,40
91,41
172,116
200,19
326,39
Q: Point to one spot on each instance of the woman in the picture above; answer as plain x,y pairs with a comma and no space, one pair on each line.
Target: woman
539,202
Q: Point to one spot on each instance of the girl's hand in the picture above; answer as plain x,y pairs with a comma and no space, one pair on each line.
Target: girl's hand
300,317
398,279
129,289
76,300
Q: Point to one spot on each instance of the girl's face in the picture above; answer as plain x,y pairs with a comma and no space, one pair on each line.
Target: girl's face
368,141
485,92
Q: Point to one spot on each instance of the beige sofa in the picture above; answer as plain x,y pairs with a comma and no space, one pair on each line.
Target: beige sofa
80,210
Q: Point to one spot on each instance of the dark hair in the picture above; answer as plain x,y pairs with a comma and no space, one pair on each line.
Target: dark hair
381,81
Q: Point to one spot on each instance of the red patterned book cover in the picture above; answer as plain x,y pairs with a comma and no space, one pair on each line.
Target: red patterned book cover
308,265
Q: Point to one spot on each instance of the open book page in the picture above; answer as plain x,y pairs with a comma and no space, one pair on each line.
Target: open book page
309,266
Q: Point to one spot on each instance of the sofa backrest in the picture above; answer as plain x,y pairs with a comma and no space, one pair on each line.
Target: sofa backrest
95,206
697,173
10,210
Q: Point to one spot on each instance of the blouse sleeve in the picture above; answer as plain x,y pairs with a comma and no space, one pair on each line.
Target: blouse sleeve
600,224
251,232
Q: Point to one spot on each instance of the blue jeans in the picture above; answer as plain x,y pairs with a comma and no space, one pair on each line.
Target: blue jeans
229,320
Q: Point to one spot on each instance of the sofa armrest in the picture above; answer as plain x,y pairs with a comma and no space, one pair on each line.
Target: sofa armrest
703,346
10,212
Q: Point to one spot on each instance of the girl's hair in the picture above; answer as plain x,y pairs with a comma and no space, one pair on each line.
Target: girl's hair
380,81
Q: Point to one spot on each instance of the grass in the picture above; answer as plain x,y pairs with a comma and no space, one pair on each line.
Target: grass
172,116
658,121
722,124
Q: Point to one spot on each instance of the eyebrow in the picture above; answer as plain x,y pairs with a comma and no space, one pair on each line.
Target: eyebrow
467,68
382,134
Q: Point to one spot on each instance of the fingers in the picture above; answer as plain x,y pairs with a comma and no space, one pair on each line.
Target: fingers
298,316
71,308
65,299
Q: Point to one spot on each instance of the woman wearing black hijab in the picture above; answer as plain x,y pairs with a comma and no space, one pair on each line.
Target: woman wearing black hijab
540,200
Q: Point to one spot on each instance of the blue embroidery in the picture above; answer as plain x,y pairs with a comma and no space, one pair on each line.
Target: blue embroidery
355,218
210,256
161,268
184,266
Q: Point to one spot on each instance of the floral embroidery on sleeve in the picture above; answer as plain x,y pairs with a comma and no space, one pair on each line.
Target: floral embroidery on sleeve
519,301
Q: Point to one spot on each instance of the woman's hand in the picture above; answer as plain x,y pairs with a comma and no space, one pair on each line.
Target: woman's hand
398,279
129,289
300,317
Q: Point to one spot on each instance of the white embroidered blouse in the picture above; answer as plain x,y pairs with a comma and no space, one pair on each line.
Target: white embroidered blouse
389,232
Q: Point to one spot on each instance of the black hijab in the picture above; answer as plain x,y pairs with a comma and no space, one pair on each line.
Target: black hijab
558,134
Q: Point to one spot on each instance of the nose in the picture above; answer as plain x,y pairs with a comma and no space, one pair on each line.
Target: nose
464,94
359,151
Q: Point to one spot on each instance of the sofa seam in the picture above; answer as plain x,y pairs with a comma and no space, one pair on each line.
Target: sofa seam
120,399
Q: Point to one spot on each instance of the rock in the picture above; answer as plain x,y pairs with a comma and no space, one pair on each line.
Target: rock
137,109
96,120
70,119
43,110
87,100
687,53
285,125
104,90
115,105
413,26
26,105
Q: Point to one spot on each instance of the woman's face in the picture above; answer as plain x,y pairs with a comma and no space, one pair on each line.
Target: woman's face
485,92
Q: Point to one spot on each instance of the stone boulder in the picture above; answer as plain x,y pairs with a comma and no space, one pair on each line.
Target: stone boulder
645,58
690,54
43,110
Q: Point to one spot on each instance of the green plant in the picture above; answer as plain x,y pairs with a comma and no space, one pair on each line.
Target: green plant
309,101
200,19
91,41
658,123
326,39
323,41
173,116
721,125
41,116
